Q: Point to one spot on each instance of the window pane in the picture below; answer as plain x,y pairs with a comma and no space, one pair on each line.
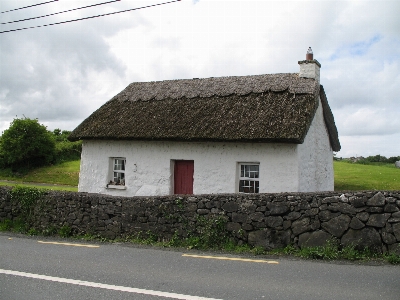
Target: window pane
248,186
119,164
118,176
249,171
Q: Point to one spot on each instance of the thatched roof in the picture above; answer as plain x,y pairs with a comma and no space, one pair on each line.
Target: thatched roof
260,108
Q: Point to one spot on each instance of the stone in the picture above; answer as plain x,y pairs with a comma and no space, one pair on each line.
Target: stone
191,207
238,217
377,200
293,215
248,207
261,208
257,216
311,212
367,237
346,209
378,220
334,199
109,234
394,248
356,223
315,225
391,200
258,224
394,220
274,221
203,211
358,202
247,227
287,224
374,209
389,228
303,205
231,226
396,230
278,208
396,215
314,239
300,226
230,206
391,208
323,207
326,215
397,164
388,238
269,238
363,216
337,226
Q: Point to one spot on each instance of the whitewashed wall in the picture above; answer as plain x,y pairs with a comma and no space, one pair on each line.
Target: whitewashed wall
149,170
316,157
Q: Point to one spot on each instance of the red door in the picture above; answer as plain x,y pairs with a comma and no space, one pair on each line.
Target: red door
183,177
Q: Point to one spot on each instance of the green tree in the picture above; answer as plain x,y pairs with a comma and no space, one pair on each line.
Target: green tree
26,144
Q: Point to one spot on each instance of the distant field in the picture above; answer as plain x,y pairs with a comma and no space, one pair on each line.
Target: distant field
351,176
348,176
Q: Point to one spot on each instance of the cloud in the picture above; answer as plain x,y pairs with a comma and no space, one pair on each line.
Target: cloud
60,74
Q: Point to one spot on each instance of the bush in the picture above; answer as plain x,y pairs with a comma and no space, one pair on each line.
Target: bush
67,151
26,144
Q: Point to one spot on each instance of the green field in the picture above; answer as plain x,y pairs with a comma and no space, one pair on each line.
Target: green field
348,176
374,176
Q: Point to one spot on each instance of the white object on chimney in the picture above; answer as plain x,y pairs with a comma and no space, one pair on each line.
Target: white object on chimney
310,68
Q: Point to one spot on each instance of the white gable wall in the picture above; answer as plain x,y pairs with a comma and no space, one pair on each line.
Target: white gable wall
149,170
316,157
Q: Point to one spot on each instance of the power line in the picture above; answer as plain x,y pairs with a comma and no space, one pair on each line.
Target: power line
61,12
86,18
28,6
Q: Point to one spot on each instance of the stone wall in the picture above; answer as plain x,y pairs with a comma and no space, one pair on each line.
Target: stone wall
365,219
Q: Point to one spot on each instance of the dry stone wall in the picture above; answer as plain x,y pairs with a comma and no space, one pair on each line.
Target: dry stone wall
365,219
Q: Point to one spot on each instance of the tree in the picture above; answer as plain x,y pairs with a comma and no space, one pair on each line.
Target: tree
26,144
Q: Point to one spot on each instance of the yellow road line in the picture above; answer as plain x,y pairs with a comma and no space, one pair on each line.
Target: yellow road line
69,244
233,258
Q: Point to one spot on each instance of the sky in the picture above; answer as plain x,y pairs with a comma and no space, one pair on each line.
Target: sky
61,73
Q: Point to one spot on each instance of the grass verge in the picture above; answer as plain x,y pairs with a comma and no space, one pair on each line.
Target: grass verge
330,252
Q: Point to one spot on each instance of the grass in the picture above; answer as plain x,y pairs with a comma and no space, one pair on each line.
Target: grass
64,176
45,187
375,176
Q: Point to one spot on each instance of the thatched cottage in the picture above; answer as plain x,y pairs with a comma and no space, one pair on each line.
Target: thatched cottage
243,134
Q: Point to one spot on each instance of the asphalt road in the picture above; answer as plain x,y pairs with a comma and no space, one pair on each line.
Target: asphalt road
37,268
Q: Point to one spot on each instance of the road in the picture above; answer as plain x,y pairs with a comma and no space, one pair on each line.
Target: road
39,268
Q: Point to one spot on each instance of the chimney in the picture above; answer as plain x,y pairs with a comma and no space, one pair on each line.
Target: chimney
309,68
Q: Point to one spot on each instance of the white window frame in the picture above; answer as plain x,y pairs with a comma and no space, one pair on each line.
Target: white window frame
117,173
248,180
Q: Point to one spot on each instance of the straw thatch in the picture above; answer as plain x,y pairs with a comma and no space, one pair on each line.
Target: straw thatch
261,108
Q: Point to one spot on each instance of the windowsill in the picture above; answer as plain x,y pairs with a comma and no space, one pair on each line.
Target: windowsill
116,187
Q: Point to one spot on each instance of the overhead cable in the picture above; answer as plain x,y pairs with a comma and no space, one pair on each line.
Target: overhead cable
86,18
61,12
2,12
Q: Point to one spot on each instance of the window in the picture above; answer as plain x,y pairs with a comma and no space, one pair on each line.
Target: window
249,177
118,171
